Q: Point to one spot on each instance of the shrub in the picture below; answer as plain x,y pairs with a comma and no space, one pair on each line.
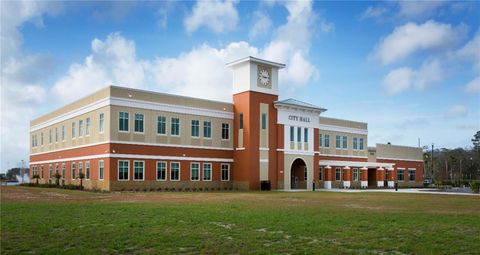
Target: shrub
475,186
159,189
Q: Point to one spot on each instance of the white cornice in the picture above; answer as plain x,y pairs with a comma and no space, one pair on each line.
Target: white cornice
343,129
401,159
341,156
353,163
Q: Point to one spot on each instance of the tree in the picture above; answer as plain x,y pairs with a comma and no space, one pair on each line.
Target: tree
36,177
81,176
476,141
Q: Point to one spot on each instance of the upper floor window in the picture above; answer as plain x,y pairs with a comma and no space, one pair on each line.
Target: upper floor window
207,129
80,128
87,127
299,134
50,135
264,121
292,134
361,143
355,145
56,135
345,142
74,131
63,133
240,119
101,123
175,127
41,138
320,140
327,140
225,131
305,135
123,121
138,123
337,142
195,128
161,125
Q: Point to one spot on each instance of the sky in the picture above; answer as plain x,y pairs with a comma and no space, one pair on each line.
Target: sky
411,70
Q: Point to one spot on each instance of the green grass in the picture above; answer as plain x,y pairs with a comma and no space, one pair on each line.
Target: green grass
247,223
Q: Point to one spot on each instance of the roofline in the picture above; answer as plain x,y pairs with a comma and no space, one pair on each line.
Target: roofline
250,58
319,109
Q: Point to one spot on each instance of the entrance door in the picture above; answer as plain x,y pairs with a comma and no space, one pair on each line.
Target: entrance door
298,174
372,177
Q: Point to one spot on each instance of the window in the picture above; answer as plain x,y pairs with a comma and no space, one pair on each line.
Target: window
327,140
73,130
361,143
87,127
161,171
174,171
73,170
338,174
101,166
305,173
207,171
50,172
195,128
299,134
355,174
123,166
138,123
225,131
80,128
345,142
240,119
400,175
123,121
33,141
41,138
225,172
63,171
320,173
87,170
175,127
292,134
305,135
50,136
264,121
411,175
194,171
138,170
41,172
63,133
207,129
56,135
355,143
80,168
320,140
101,123
161,125
56,169
337,142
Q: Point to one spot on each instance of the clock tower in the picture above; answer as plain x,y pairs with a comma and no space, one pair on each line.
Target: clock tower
255,89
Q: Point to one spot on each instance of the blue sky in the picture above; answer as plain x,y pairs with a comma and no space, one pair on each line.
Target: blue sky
409,69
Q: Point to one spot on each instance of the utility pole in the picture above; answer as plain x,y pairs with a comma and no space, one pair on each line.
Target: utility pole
21,169
433,171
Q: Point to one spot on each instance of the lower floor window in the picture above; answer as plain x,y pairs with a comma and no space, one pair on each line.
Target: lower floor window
411,175
87,170
174,171
400,175
207,172
101,166
161,171
41,172
63,171
305,173
338,174
225,172
73,170
50,173
355,174
320,173
194,171
123,166
138,170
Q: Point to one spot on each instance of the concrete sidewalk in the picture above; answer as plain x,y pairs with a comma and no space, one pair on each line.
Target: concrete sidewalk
410,191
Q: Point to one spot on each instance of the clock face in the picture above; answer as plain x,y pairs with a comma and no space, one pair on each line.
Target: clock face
264,77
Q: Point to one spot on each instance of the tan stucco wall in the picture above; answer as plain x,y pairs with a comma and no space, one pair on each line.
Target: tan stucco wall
332,150
343,123
399,152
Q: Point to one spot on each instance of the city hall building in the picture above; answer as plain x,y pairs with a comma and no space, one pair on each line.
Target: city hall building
129,139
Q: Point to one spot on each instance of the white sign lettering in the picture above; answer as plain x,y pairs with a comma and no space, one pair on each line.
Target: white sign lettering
299,118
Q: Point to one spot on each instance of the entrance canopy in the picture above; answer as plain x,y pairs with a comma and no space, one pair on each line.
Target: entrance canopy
355,164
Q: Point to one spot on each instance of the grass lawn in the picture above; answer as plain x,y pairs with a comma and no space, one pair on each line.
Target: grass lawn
37,220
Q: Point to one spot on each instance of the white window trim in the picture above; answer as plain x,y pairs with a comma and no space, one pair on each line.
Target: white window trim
64,171
199,171
358,173
64,133
229,135
128,123
166,125
103,169
118,170
221,179
143,123
203,130
211,172
143,170
100,131
179,127
89,170
80,136
191,126
179,171
73,169
401,169
166,171
339,180
89,127
408,172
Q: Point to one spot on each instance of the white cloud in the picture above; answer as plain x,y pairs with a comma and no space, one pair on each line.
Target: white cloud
473,87
398,80
430,72
415,9
261,26
411,37
219,16
471,52
457,111
373,12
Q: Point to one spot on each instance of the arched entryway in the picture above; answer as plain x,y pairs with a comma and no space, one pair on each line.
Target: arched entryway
298,175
